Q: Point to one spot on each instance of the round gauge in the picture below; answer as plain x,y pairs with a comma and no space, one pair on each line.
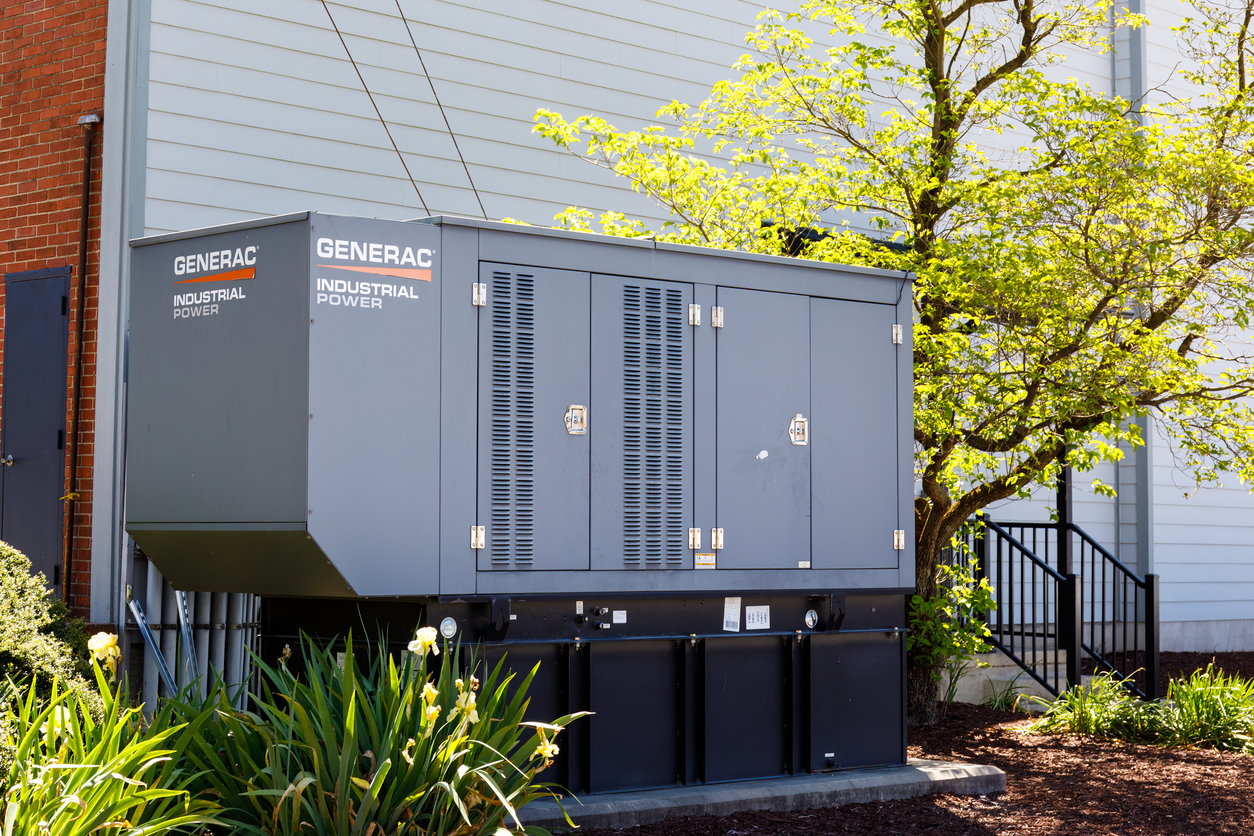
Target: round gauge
448,627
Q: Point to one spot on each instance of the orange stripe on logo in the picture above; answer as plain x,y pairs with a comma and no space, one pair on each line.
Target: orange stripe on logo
228,276
420,275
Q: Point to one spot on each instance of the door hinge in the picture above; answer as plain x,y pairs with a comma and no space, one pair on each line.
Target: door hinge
899,540
694,314
694,538
716,538
716,317
479,294
478,537
897,335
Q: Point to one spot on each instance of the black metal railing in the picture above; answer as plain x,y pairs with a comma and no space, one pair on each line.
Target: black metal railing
1066,606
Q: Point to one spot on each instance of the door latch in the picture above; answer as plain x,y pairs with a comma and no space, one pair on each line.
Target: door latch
7,461
577,420
799,430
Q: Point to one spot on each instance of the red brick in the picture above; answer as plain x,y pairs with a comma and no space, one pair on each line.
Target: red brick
52,72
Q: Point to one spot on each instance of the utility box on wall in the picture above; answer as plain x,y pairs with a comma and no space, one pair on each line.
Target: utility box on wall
547,439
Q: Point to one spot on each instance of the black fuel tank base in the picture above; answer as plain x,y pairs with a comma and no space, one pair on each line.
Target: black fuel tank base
806,683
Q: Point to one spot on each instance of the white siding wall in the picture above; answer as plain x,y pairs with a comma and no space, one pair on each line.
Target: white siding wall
1204,551
255,110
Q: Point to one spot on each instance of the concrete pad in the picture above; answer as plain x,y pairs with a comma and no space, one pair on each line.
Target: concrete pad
801,792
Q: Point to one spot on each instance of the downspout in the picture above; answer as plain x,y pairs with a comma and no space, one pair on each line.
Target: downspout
88,123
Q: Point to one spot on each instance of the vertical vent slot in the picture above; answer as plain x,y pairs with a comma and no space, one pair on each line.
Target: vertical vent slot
655,528
511,538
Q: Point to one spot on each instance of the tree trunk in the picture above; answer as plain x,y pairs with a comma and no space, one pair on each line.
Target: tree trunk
921,694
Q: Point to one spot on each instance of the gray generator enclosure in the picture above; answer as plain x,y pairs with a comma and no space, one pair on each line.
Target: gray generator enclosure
679,478
331,406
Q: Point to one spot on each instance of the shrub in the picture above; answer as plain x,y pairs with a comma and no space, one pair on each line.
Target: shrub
39,639
388,748
1208,709
74,774
1103,708
948,629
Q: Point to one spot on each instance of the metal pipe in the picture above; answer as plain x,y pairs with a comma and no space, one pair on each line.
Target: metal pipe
233,641
152,611
217,635
200,633
88,123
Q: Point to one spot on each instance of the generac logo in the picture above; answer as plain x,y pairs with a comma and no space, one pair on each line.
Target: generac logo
372,253
227,265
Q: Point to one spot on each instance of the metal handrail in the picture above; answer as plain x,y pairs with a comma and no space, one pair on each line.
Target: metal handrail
1104,610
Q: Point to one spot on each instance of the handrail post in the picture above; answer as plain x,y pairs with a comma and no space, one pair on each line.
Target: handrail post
1070,612
981,536
1152,669
1064,516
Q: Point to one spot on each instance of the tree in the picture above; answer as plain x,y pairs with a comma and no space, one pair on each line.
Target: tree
1099,271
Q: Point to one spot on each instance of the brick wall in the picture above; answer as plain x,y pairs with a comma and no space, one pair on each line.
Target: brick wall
51,73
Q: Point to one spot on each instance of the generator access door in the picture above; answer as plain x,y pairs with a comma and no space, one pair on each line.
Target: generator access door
763,453
533,410
641,425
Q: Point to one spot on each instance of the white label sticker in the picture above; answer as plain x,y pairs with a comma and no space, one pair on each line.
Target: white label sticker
731,615
803,564
579,608
758,618
705,561
339,659
620,616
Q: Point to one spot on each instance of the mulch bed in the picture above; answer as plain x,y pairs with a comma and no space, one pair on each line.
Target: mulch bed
1055,785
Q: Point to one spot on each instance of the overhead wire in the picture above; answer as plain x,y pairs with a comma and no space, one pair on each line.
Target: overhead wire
436,95
369,95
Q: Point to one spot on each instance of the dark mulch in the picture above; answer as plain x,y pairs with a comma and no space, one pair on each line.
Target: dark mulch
1055,785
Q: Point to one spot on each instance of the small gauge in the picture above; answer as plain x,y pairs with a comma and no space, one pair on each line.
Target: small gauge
812,618
448,627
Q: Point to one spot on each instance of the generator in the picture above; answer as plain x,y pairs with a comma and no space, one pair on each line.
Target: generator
680,478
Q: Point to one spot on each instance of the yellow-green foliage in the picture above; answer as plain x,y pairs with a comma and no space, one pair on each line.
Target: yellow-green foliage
38,638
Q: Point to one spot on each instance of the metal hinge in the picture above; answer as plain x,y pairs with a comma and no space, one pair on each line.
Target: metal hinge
716,538
897,335
479,294
716,317
694,314
899,540
478,537
694,538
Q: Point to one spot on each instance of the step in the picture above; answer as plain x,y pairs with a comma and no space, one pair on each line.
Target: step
799,792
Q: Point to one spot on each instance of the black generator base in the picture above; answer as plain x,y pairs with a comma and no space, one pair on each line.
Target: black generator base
684,690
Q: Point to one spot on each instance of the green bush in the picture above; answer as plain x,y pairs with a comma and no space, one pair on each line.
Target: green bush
1208,709
77,773
396,749
38,638
1103,708
947,630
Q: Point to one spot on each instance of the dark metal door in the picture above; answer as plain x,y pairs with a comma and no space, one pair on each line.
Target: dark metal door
763,482
854,451
533,367
32,430
642,424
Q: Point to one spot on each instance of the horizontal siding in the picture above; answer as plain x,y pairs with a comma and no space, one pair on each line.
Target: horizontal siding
254,109
1204,544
